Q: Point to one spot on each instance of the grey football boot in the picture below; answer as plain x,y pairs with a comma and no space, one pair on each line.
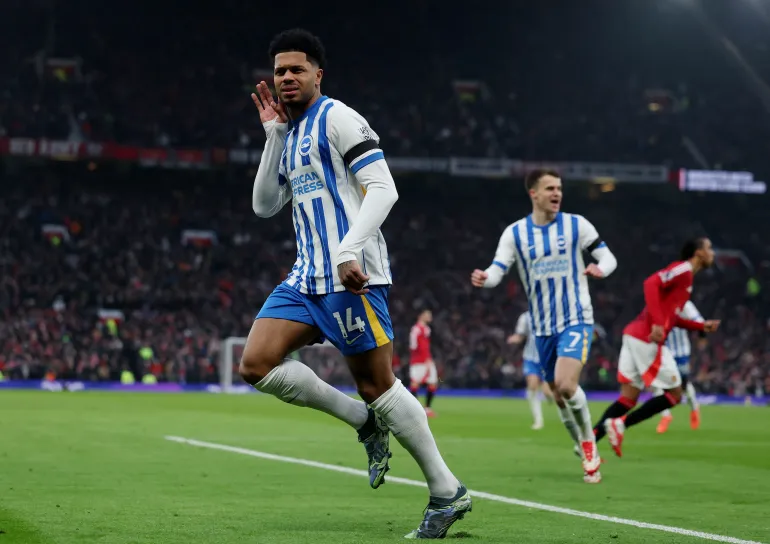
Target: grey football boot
440,514
375,436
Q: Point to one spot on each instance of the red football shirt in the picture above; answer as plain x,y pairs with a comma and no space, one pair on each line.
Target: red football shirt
665,293
419,344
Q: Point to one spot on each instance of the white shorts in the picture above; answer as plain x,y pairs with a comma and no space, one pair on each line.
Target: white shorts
423,374
644,364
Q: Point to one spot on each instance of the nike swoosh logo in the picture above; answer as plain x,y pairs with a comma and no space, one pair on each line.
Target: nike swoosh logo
349,342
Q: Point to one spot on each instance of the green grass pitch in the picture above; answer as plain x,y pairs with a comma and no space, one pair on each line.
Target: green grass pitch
95,468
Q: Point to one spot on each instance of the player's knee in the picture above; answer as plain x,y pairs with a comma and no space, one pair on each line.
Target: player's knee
675,395
256,364
372,387
566,388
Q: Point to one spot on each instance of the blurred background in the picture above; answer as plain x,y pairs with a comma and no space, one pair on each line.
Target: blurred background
129,143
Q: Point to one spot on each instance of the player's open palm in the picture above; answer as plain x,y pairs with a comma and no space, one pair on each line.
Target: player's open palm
478,277
268,108
352,278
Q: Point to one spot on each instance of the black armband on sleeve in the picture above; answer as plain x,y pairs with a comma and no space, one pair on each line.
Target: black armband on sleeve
359,149
593,245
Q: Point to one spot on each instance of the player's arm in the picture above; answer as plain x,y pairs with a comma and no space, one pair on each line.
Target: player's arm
691,319
590,241
359,146
504,259
414,337
271,189
653,290
521,332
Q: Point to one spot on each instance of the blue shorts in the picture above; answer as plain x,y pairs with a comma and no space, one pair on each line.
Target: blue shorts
352,323
573,342
532,368
683,364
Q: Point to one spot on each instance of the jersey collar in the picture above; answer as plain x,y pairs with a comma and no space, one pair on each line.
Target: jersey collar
312,109
531,223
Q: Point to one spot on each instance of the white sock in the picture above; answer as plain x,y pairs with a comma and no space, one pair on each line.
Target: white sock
406,418
569,422
579,406
293,382
665,413
533,397
692,399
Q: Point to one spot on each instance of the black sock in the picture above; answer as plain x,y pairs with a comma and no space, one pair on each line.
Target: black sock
653,406
429,398
415,392
616,409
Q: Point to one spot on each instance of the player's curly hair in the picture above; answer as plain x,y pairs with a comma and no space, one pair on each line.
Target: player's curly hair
690,247
299,39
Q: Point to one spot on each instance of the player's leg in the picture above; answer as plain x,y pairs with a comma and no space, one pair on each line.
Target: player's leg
573,347
683,363
283,326
547,351
369,355
631,386
431,386
532,376
661,372
547,392
416,376
665,416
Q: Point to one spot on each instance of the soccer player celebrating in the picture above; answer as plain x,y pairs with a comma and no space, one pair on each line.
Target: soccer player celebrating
644,360
533,372
323,157
422,368
547,247
679,343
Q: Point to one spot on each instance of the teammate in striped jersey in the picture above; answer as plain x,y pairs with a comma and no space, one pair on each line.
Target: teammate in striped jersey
323,157
533,372
679,343
547,247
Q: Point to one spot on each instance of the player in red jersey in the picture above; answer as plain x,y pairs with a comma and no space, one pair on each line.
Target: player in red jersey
422,369
645,361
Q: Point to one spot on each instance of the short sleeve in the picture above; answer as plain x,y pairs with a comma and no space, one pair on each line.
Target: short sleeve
353,138
588,236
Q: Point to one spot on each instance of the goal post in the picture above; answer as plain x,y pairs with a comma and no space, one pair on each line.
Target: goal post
322,358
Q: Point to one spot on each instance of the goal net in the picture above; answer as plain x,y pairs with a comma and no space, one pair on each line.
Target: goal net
324,359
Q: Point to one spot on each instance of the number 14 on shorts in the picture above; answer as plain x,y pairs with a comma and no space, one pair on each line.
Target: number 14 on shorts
350,326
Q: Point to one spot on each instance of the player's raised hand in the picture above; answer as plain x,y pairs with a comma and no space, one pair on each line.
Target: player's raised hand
352,278
711,325
268,108
657,334
593,271
478,277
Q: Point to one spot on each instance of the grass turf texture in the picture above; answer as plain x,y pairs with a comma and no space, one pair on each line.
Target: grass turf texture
95,468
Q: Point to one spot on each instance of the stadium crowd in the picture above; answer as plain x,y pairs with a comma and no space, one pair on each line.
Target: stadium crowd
598,87
121,248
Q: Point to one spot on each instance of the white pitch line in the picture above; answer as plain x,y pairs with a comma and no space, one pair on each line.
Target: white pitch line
479,494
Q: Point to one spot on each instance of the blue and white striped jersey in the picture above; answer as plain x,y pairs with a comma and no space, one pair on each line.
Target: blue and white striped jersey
323,151
524,328
550,262
678,340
